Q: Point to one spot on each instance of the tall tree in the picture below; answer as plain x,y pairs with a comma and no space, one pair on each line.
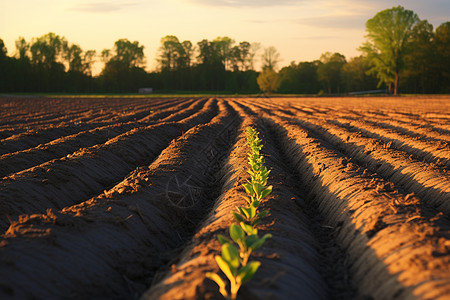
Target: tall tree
171,53
207,53
129,53
88,61
254,49
188,52
3,50
24,78
244,55
22,48
123,71
235,58
3,65
419,63
47,62
48,50
329,72
105,55
355,77
223,48
73,56
442,45
270,58
210,68
388,40
300,78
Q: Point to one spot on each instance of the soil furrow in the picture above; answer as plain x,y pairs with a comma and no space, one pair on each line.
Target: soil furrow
383,232
428,149
332,264
359,210
429,183
134,112
21,160
54,118
74,111
179,114
34,137
161,113
288,261
111,245
408,127
4,134
72,179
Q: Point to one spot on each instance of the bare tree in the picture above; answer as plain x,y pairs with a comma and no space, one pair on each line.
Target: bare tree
270,58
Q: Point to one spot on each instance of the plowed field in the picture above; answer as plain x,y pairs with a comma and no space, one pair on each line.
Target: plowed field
123,198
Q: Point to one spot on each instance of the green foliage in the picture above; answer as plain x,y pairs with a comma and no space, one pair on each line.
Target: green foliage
48,50
77,60
388,36
123,70
3,50
442,45
329,72
398,45
128,53
354,75
300,78
268,81
174,55
22,47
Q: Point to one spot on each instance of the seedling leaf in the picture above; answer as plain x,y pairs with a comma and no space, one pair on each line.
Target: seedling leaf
236,233
231,255
258,188
249,189
225,267
251,211
263,213
248,229
255,203
238,217
266,192
247,199
250,240
246,273
244,212
260,242
222,239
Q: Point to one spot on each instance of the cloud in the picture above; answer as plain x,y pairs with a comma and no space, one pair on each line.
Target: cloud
432,10
247,3
102,7
319,37
337,22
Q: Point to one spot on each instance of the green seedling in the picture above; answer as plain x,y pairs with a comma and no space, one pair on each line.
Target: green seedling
234,261
250,215
246,237
257,188
229,265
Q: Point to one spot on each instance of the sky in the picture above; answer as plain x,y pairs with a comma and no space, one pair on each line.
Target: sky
301,30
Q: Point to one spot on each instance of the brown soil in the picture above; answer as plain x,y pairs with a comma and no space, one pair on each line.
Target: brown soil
123,198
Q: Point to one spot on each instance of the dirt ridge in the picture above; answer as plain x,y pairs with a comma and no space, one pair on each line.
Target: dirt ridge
359,208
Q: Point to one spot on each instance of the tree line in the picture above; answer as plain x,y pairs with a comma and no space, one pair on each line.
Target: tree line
401,53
